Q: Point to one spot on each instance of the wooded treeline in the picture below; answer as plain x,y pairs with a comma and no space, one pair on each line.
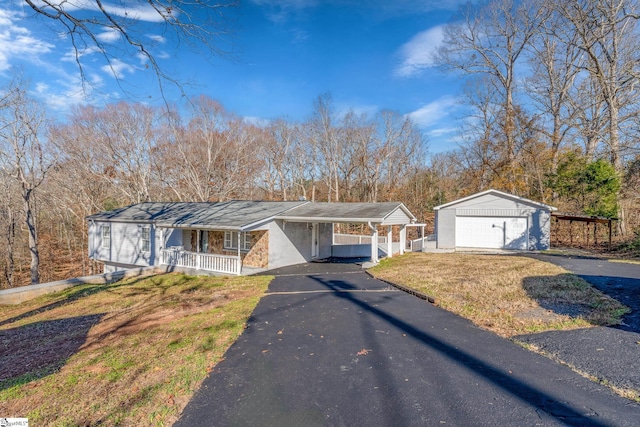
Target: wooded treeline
552,114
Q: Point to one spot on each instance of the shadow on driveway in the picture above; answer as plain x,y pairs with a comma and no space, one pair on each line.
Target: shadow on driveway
618,280
343,349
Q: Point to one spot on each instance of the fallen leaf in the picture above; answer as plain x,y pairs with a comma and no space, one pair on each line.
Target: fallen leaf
363,352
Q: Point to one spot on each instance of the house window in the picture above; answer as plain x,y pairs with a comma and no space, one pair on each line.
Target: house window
231,240
106,236
146,239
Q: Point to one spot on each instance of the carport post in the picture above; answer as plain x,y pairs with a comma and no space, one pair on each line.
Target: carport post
389,241
374,243
403,238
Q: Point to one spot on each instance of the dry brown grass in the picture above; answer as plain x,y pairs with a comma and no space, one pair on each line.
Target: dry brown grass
130,353
509,295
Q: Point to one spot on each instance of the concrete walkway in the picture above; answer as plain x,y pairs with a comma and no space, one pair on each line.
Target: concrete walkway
340,348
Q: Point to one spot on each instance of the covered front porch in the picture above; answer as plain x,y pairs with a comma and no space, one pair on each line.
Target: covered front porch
232,252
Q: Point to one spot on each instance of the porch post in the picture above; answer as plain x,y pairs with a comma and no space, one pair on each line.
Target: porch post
374,243
389,241
403,238
239,257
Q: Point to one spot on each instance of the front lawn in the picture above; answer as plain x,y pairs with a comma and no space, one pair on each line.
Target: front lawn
128,353
509,295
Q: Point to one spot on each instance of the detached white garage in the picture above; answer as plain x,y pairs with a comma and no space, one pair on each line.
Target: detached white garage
493,220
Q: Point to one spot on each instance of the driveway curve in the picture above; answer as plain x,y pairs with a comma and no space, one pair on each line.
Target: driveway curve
334,347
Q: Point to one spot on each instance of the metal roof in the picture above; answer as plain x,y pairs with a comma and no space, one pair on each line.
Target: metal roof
232,215
345,212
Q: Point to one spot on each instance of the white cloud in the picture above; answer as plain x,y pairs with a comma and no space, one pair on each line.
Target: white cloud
108,36
158,38
256,121
18,42
417,53
117,68
69,90
279,11
434,113
70,55
136,12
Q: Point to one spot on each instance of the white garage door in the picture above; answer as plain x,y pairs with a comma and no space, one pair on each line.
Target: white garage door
490,232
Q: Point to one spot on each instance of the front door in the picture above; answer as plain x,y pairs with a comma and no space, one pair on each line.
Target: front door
314,241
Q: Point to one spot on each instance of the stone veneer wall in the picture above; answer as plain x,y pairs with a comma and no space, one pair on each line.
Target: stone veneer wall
258,256
216,243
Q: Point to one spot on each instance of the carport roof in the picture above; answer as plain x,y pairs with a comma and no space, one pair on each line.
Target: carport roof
346,212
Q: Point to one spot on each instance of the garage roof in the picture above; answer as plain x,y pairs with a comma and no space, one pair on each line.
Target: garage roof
499,194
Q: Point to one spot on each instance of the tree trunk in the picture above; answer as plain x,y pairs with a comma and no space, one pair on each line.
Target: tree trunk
33,239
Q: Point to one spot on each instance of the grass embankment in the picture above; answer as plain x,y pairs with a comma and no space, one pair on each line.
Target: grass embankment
129,353
509,295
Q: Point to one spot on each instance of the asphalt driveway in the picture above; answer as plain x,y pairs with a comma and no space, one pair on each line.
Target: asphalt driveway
611,354
344,349
619,280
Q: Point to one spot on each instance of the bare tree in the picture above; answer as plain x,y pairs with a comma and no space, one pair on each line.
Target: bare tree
24,156
9,218
281,143
489,41
606,33
212,156
325,136
199,24
556,64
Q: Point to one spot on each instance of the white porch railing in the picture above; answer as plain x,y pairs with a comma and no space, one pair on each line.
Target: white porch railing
356,239
201,261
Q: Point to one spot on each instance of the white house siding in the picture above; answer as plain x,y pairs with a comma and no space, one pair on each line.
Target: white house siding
126,245
172,237
290,242
95,242
397,217
326,240
446,228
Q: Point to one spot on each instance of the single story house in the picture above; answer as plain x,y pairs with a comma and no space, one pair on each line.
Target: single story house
235,237
493,220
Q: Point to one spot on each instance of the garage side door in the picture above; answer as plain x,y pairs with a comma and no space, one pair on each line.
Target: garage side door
492,232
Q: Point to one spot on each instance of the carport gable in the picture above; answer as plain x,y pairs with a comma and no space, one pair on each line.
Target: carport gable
372,214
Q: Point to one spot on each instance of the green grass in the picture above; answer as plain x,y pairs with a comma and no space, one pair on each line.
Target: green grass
154,342
508,295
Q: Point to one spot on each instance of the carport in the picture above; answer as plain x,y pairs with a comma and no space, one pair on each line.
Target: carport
383,214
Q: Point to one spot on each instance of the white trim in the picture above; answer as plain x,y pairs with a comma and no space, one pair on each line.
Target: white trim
239,240
143,240
315,240
497,193
102,236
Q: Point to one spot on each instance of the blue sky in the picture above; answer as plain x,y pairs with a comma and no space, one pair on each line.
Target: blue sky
369,55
